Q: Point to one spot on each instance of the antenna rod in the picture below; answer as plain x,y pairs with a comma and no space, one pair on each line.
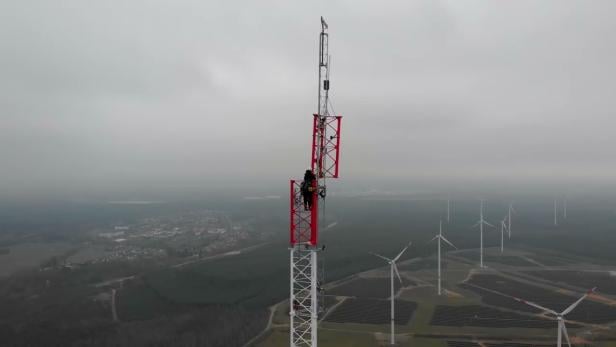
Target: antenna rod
323,70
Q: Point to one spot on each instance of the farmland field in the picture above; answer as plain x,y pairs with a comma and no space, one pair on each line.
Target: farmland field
481,316
422,264
371,311
511,260
494,299
587,311
552,260
462,344
327,338
368,288
459,319
603,280
513,344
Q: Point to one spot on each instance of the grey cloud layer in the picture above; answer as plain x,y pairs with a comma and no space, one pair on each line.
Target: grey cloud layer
115,92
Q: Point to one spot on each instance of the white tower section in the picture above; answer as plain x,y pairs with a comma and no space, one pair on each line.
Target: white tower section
303,306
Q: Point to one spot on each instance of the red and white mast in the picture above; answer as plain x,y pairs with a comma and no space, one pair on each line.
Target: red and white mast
325,153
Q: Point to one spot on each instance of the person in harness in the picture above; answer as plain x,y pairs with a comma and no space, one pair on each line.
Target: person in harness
307,189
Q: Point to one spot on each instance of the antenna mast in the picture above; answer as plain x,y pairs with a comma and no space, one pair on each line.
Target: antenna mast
323,69
325,153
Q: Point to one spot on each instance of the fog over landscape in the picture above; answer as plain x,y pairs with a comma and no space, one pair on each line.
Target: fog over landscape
117,95
147,148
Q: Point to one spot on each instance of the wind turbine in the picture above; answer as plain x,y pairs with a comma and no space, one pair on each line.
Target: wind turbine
503,229
555,220
392,269
481,222
511,209
440,237
560,317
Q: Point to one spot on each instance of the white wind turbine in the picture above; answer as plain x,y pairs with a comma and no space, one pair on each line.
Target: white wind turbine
392,269
481,222
560,317
555,219
440,237
503,229
511,209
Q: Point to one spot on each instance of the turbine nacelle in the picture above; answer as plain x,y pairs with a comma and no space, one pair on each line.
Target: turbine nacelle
504,227
393,261
441,237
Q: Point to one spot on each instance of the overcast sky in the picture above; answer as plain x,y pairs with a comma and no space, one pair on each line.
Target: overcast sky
115,93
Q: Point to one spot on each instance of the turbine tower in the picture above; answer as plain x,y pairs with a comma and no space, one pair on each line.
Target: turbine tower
393,268
511,209
440,237
503,229
481,222
555,218
305,289
560,317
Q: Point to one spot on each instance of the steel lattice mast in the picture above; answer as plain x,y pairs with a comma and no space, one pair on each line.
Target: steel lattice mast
325,152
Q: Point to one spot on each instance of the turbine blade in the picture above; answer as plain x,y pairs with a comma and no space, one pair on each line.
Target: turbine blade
564,328
476,224
537,306
570,308
434,238
380,256
402,252
451,244
397,273
486,223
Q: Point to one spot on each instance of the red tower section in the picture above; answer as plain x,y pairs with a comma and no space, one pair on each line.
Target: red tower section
325,149
325,156
303,222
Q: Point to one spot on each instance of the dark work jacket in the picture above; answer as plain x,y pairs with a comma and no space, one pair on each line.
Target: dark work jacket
309,178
